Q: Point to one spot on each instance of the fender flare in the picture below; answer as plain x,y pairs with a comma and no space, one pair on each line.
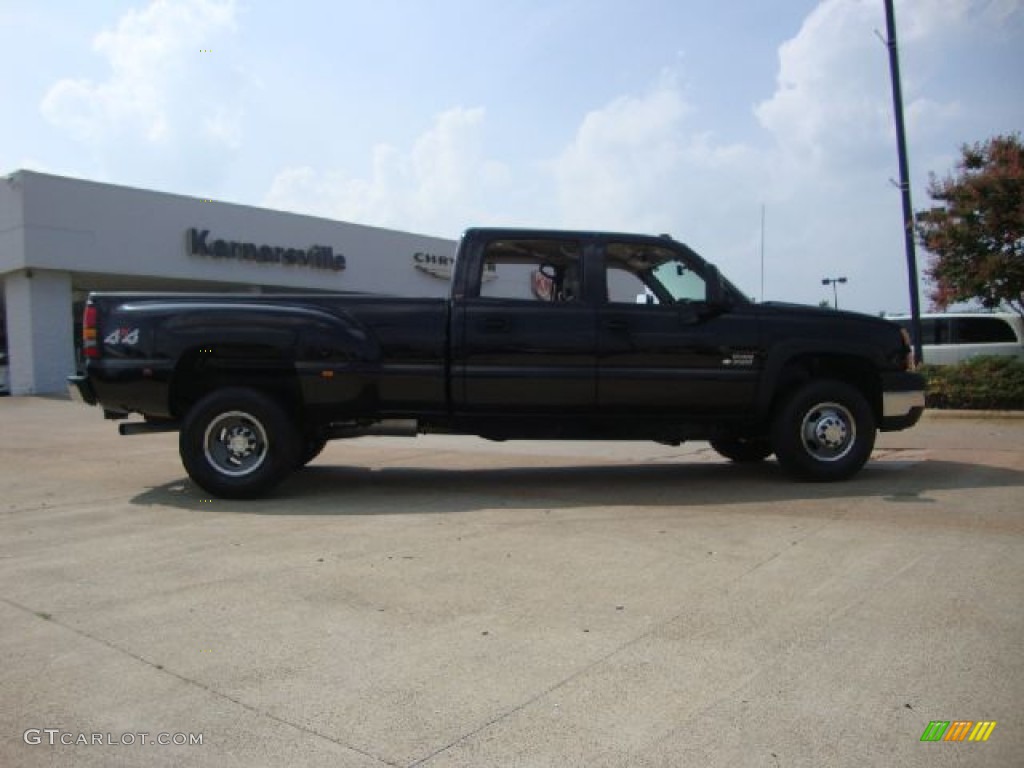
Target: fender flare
787,355
277,343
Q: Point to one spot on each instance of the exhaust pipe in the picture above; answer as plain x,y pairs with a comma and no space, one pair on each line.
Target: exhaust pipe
147,427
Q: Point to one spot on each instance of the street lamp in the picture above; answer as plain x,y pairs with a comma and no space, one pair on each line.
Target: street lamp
835,291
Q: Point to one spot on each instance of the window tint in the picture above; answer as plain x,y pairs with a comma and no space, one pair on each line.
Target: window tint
639,273
982,330
944,331
934,330
533,270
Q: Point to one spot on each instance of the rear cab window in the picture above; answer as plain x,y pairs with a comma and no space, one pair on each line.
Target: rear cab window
545,270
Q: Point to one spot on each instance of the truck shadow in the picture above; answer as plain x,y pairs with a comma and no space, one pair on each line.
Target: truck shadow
344,490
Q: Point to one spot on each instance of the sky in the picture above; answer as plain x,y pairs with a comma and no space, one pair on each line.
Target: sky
688,117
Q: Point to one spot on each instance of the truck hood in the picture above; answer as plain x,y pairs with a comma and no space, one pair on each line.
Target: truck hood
790,309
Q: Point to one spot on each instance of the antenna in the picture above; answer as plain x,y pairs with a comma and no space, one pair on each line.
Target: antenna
762,253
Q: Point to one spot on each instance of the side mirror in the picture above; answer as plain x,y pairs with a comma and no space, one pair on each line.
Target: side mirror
714,287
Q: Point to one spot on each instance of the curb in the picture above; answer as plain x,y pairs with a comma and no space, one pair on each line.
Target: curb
938,413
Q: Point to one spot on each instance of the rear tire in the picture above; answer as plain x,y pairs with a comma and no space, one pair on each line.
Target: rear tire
742,450
825,431
238,443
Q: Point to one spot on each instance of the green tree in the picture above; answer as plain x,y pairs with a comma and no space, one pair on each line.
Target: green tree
976,234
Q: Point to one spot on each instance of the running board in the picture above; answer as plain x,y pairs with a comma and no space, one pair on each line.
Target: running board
386,428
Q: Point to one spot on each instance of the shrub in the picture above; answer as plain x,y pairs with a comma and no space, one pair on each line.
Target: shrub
982,383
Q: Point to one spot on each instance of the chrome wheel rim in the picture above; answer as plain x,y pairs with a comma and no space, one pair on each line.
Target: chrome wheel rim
235,444
828,432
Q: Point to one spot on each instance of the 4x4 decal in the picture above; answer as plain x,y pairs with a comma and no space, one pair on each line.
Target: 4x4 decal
128,336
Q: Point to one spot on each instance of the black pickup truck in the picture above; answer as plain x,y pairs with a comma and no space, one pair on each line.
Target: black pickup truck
546,335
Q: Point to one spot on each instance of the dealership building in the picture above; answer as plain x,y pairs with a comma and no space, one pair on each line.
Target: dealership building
61,238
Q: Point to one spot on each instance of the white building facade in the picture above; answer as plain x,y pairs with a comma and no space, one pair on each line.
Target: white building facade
61,238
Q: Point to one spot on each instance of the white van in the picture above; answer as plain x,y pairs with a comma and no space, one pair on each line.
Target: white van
947,339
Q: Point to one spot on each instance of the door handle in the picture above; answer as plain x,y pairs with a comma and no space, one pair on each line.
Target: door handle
616,325
495,324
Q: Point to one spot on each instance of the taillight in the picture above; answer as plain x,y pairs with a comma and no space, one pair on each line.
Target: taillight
89,332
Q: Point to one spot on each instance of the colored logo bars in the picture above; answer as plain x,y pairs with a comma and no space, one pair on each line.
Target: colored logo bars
958,730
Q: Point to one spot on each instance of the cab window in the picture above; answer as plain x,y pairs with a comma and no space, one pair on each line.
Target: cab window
547,270
647,274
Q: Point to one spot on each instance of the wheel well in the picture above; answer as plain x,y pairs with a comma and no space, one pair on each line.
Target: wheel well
201,371
854,371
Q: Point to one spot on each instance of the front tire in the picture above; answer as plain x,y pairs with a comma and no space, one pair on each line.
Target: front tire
825,431
238,443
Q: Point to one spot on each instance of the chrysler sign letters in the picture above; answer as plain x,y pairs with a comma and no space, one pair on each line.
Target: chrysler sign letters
442,266
315,257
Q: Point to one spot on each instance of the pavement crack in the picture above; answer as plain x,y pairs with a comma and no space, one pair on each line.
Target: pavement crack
533,699
796,541
43,616
587,668
582,671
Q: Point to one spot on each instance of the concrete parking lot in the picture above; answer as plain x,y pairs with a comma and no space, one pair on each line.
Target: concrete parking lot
449,602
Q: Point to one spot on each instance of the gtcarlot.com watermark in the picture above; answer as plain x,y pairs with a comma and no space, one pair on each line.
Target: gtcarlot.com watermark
56,737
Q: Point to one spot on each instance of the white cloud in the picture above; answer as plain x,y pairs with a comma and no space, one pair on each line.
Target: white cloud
439,185
831,123
922,114
621,155
168,85
830,103
822,166
637,165
449,169
821,162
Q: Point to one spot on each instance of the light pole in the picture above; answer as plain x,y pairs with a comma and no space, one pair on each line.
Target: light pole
901,149
835,291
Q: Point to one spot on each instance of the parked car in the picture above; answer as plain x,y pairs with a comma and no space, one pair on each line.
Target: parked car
947,339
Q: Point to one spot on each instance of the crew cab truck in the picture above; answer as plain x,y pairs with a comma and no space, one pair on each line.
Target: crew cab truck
542,337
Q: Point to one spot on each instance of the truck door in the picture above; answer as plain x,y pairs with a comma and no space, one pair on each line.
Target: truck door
662,349
525,340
